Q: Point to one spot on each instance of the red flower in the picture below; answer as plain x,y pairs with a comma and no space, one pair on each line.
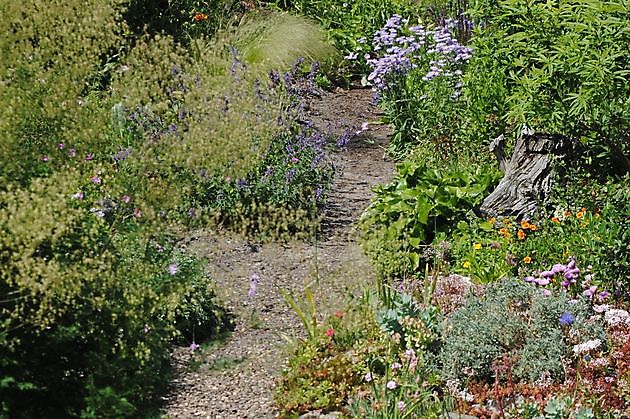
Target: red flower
330,333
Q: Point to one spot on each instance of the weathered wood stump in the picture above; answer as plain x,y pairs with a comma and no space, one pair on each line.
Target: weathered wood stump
528,174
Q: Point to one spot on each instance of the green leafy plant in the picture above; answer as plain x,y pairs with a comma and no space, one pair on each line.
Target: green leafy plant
420,202
566,69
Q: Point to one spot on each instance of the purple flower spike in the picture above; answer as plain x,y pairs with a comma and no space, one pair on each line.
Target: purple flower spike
571,264
604,295
253,285
565,283
547,274
542,281
530,279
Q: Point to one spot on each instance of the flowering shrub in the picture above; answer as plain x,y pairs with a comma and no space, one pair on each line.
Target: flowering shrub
417,76
350,24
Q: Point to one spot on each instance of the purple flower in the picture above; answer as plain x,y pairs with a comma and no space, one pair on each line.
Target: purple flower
61,146
126,199
253,285
604,295
558,268
590,291
193,347
173,269
530,279
368,377
45,158
542,281
79,195
567,319
391,384
401,405
72,152
89,157
96,180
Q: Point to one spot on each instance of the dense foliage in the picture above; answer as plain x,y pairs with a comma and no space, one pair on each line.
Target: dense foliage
111,145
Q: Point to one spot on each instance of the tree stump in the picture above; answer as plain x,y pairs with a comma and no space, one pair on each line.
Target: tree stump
528,174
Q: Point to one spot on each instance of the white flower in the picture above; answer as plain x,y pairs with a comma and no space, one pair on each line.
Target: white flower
616,317
601,308
587,346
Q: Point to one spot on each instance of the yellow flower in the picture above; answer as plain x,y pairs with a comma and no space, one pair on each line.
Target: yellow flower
492,220
477,246
525,224
521,235
527,259
466,264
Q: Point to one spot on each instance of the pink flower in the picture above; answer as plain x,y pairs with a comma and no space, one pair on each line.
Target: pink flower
368,377
330,333
126,199
193,347
391,384
173,269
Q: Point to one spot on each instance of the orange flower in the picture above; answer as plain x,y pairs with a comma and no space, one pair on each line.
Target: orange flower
533,227
555,220
525,224
200,16
567,213
492,220
504,231
521,235
527,259
580,213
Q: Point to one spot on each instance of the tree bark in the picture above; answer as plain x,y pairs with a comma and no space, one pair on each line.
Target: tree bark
528,174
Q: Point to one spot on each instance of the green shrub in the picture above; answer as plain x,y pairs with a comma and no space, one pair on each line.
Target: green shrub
516,324
565,67
420,202
184,20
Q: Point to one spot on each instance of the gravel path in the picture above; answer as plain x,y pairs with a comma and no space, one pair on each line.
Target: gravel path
236,379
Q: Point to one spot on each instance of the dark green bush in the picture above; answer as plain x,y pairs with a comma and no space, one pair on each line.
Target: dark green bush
565,68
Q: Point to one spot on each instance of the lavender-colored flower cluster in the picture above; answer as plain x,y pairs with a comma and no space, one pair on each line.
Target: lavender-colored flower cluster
568,275
400,50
